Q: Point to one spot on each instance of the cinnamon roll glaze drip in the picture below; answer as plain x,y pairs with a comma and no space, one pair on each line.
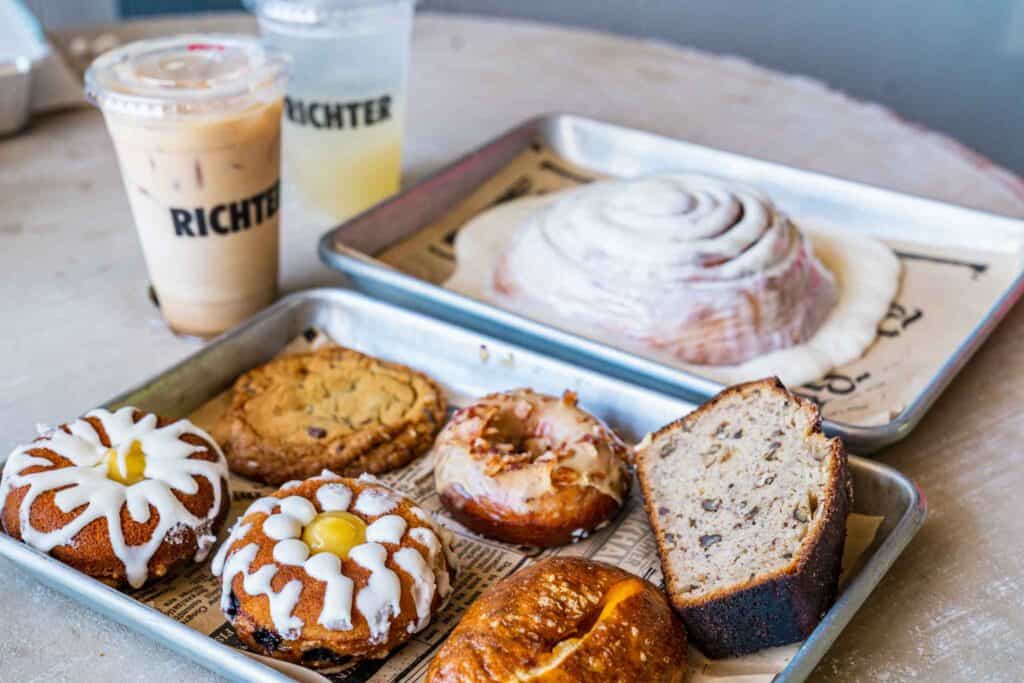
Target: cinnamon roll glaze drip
709,271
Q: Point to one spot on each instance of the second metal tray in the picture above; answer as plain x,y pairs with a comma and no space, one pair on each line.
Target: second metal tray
604,149
467,364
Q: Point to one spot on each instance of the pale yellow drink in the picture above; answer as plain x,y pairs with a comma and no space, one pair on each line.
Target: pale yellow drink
345,106
339,175
195,121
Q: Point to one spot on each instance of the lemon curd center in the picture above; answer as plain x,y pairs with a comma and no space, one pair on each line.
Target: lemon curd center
133,469
334,532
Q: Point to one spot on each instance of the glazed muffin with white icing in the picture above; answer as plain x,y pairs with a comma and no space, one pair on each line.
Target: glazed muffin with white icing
123,496
331,569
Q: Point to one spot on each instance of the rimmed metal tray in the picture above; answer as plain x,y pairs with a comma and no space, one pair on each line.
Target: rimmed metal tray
963,269
466,364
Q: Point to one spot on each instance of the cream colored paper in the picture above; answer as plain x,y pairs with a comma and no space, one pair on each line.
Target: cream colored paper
193,597
921,331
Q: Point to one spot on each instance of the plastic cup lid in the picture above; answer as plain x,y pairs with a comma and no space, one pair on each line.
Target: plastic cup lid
186,75
315,12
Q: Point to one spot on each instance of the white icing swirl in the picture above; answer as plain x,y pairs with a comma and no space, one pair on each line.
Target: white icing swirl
84,484
708,270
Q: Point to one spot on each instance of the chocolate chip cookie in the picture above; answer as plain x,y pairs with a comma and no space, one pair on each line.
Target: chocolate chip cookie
334,409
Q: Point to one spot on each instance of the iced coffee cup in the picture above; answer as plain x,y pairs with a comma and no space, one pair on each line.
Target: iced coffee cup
196,121
346,101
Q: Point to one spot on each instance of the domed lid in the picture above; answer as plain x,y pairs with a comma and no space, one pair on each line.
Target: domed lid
316,12
186,75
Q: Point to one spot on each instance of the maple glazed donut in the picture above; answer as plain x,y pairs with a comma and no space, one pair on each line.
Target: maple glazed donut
122,496
333,568
565,619
531,469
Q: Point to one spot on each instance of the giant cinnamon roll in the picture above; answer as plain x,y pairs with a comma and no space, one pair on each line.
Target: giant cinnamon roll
707,270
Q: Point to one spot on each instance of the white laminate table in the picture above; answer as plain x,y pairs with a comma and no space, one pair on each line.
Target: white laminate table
77,326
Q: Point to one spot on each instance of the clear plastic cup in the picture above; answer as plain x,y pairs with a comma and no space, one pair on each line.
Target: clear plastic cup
345,107
195,120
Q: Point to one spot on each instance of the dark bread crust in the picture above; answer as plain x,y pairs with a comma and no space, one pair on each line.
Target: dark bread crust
776,608
626,630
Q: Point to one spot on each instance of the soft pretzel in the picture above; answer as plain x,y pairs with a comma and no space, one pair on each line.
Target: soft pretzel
565,619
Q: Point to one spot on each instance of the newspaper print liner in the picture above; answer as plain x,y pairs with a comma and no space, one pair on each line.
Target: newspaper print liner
626,542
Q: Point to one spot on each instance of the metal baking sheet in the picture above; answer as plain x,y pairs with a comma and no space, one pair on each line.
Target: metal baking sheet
466,364
928,227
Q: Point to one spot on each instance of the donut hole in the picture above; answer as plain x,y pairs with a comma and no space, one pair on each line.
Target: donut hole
511,434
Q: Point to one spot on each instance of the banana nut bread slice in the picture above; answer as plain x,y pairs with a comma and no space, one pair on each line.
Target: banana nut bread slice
748,500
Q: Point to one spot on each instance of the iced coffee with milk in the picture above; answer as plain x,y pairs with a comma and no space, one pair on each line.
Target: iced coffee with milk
196,122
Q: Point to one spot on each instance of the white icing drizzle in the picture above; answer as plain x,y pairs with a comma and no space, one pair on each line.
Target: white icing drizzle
84,484
291,551
282,603
334,497
337,610
380,600
429,540
299,508
238,531
387,529
424,583
446,537
374,501
282,526
265,505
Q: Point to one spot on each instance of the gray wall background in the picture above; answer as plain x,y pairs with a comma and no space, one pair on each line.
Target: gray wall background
953,65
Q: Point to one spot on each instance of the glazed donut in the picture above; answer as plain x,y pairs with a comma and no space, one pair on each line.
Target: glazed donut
708,270
565,619
526,468
122,496
332,568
